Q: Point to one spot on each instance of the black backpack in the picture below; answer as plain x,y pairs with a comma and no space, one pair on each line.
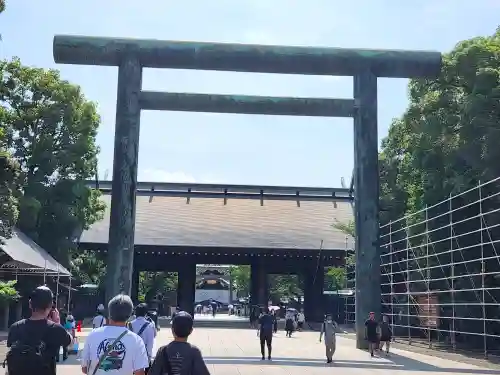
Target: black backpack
27,356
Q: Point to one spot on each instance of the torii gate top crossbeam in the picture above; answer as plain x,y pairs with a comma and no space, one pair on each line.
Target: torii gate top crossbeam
85,50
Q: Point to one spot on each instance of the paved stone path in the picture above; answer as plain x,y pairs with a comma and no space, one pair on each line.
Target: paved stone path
236,351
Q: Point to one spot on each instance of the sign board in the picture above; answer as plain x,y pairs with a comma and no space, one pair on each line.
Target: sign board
428,310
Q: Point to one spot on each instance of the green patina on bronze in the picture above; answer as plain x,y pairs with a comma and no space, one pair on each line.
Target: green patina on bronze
247,57
246,104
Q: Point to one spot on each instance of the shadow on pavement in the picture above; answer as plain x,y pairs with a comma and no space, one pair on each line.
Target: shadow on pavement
395,362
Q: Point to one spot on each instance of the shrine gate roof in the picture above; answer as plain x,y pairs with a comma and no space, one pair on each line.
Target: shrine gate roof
240,223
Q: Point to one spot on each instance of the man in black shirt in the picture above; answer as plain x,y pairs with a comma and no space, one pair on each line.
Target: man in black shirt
179,356
266,324
35,342
371,333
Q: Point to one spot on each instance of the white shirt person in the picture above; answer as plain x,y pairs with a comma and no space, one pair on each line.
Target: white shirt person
125,356
98,321
146,329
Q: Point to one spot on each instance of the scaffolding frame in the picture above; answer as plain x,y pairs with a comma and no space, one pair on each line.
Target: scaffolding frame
17,269
440,273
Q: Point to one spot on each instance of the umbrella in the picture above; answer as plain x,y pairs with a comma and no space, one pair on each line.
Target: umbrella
291,309
274,308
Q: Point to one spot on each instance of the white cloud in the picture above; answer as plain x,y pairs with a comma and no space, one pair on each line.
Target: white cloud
159,175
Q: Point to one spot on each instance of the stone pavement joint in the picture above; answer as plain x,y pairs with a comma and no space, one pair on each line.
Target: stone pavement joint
229,351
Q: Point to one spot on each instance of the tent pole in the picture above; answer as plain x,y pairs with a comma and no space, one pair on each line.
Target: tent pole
57,287
69,295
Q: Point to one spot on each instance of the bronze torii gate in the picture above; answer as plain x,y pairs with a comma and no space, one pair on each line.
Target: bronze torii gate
131,56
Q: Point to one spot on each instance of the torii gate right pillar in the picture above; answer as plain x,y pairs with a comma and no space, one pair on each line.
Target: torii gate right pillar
366,200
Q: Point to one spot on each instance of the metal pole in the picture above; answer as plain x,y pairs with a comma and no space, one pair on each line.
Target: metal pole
408,282
45,273
392,276
427,276
57,287
69,296
483,270
453,340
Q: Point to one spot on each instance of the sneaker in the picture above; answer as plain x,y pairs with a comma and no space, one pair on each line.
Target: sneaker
269,358
263,358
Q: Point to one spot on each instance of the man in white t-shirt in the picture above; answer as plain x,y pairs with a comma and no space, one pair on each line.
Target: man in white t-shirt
144,327
114,349
99,320
300,320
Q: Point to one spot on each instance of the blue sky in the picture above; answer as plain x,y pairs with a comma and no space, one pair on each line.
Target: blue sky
237,148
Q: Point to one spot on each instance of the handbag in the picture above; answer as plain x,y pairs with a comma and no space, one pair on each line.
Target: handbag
107,351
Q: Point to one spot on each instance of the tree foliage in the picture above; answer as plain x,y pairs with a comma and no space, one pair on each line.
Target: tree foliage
9,212
241,279
152,284
88,268
448,137
51,129
8,292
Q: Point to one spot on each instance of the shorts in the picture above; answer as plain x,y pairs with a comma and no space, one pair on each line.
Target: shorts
385,338
372,339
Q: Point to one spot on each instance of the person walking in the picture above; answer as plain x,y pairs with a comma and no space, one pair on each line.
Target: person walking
265,333
179,356
275,321
289,323
385,334
329,329
144,328
300,320
371,333
99,320
113,348
34,343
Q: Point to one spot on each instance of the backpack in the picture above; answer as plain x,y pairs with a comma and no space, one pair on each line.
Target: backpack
27,356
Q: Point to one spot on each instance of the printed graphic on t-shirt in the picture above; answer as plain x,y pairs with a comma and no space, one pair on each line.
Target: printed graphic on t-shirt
176,363
114,359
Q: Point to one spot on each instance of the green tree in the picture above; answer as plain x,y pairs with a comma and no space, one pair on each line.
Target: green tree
336,277
241,279
448,137
51,128
284,286
152,284
88,268
8,202
8,292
